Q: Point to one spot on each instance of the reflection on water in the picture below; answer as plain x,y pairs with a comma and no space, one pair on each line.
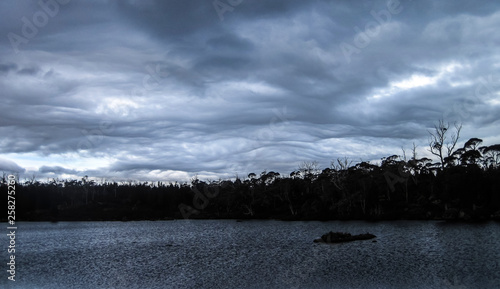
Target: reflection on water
255,254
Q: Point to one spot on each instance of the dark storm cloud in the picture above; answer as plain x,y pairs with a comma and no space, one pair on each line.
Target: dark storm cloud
169,89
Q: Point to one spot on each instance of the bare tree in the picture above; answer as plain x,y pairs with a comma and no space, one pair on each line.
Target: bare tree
403,157
309,169
414,152
439,144
340,172
341,164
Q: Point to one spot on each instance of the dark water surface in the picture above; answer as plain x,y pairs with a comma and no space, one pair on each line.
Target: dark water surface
253,254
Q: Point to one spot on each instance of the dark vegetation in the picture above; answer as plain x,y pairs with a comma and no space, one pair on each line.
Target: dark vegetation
463,185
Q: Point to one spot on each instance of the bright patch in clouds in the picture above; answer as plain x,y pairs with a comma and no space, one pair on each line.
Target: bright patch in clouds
415,81
419,80
119,106
495,101
260,88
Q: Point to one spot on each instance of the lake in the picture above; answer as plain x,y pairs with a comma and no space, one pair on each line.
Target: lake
253,254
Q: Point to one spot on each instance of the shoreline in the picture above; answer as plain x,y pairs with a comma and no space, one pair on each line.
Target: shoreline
469,221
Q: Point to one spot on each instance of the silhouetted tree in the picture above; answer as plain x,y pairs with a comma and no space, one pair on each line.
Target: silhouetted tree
439,144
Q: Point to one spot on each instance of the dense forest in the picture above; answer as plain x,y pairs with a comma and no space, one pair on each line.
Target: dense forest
463,185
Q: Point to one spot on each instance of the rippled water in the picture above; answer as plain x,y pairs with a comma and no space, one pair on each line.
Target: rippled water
254,254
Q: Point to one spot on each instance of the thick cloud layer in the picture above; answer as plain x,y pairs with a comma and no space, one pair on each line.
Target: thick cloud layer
165,90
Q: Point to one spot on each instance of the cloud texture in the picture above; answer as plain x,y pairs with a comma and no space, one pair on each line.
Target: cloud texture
165,90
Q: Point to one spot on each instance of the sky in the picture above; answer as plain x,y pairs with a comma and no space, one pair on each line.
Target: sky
171,90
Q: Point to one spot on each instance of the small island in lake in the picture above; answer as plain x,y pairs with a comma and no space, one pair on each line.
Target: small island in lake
337,237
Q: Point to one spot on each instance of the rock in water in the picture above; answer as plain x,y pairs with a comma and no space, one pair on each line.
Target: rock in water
338,237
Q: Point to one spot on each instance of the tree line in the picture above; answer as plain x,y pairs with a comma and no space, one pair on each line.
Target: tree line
464,184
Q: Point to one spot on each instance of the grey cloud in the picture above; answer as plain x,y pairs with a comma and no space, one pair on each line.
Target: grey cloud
56,170
230,44
7,67
8,166
181,92
29,70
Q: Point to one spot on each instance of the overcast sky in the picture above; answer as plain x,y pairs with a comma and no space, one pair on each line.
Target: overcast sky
166,90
